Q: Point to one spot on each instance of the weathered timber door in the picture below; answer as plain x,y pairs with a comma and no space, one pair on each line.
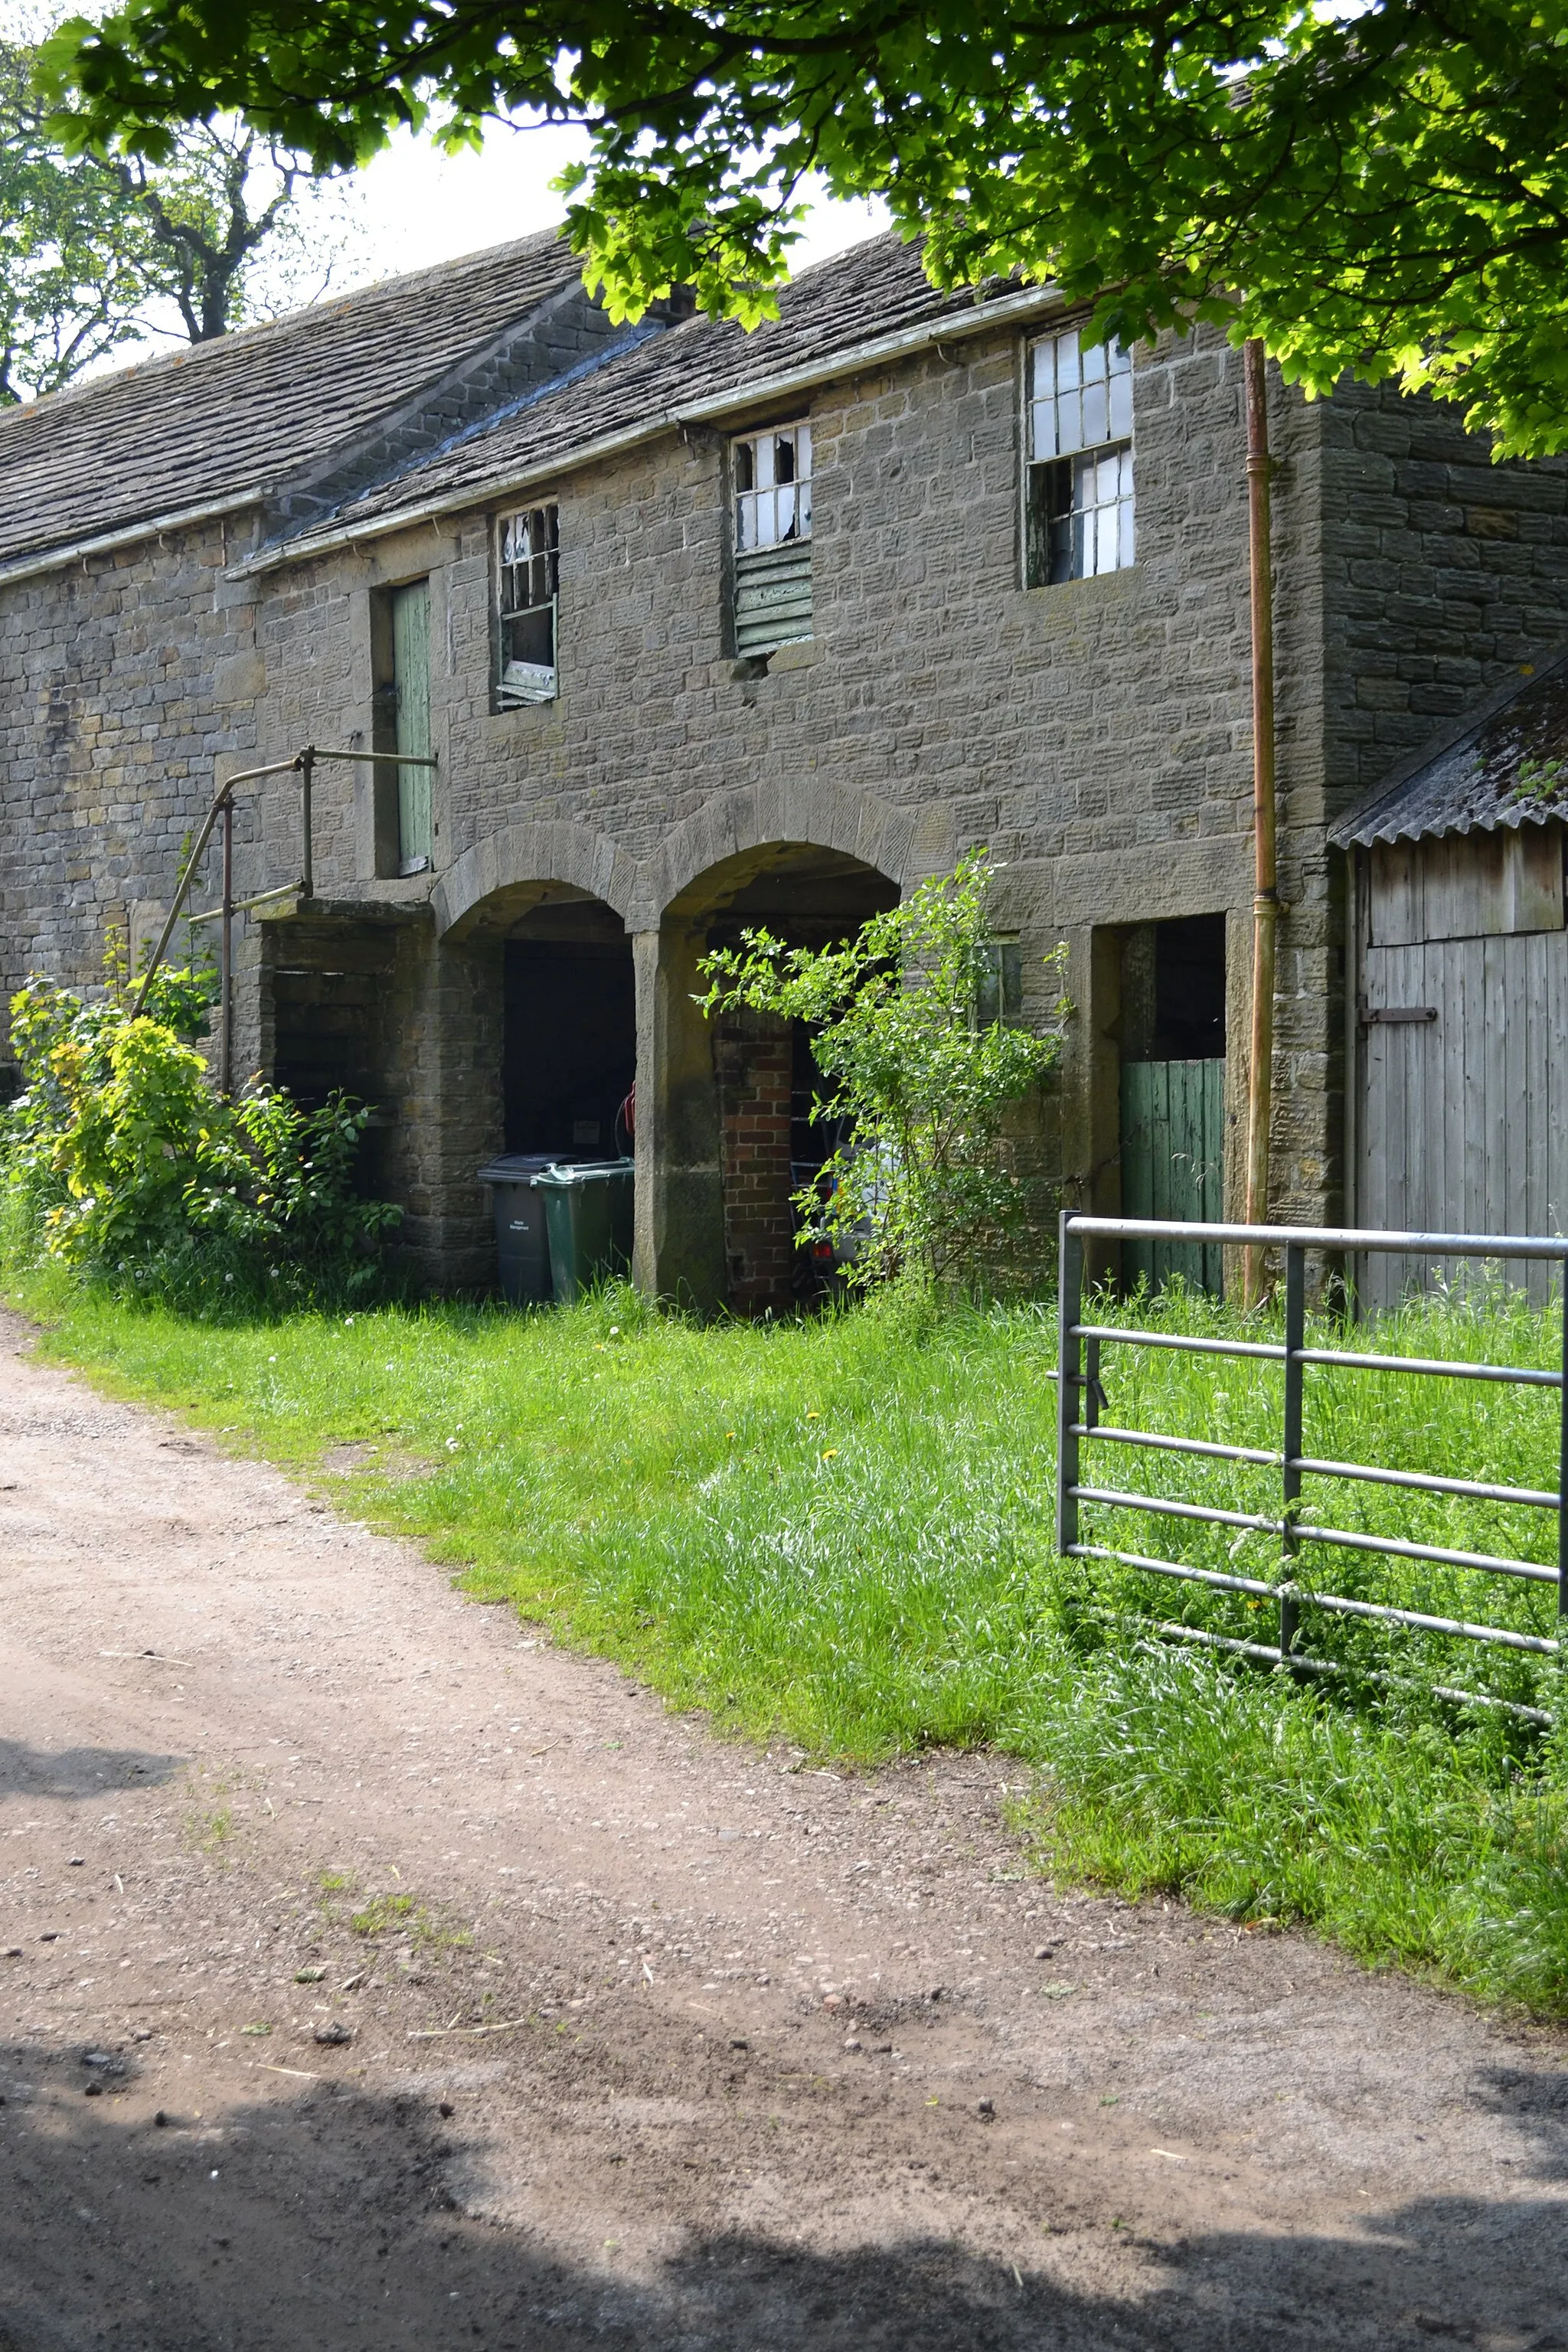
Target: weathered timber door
1464,1098
1173,1138
411,680
1462,1087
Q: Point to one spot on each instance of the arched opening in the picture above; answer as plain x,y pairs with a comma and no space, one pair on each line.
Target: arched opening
764,1075
568,1028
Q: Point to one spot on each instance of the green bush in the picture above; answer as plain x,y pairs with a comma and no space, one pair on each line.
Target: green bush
926,1183
119,1162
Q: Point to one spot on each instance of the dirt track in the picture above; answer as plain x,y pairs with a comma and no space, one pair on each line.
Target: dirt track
803,2061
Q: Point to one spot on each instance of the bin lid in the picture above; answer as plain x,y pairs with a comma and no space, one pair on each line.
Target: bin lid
563,1173
515,1166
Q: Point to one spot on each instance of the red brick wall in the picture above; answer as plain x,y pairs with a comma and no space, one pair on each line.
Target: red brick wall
754,1062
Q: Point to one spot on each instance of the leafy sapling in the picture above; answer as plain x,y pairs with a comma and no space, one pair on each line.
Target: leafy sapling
924,1181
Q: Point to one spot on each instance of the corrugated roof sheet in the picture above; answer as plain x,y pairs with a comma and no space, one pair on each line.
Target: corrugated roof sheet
228,417
1505,764
876,289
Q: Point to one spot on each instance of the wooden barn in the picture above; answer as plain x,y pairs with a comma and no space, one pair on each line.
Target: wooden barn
1458,1108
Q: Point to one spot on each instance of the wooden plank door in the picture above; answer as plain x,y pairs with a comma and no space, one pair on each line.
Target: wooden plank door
1463,1118
1172,1146
411,681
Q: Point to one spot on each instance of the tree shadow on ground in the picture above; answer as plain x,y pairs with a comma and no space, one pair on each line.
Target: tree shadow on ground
75,1772
323,2222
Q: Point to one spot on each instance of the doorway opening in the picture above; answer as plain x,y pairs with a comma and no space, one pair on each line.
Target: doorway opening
569,1049
772,1145
1173,1041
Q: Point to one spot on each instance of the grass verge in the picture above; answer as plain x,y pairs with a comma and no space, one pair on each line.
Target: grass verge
840,1533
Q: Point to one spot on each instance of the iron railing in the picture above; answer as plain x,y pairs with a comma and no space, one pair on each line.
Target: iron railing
1081,1397
298,764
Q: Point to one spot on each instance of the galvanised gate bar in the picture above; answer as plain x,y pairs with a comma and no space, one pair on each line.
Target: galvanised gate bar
1078,1423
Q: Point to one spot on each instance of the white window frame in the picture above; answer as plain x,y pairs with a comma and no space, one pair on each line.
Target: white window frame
771,510
528,584
1080,516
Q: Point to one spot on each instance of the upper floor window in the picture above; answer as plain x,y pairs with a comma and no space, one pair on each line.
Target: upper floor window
400,666
528,584
1080,519
772,537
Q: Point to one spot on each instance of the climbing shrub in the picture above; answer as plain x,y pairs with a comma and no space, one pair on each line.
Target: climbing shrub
926,1181
117,1160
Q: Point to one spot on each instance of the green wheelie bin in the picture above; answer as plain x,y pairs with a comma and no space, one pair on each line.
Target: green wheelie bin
588,1220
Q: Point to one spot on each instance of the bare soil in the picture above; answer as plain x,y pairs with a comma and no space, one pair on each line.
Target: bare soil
646,2040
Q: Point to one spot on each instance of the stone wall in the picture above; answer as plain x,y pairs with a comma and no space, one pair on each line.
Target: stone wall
127,685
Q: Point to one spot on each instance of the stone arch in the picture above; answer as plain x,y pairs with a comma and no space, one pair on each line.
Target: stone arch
906,845
503,874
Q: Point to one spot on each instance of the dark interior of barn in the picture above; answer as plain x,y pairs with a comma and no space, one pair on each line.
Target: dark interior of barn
1173,990
568,1055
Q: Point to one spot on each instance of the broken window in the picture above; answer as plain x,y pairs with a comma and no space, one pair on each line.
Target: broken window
1081,458
528,575
773,539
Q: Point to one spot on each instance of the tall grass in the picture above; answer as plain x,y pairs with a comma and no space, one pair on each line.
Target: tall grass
839,1533
1488,1432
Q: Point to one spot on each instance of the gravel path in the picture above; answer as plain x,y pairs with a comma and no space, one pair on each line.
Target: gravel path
653,2043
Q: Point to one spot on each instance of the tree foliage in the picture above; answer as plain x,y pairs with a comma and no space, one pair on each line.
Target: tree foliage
119,1162
1379,185
101,250
925,1180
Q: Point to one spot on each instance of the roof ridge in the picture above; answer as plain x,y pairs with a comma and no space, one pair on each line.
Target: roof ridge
85,388
629,340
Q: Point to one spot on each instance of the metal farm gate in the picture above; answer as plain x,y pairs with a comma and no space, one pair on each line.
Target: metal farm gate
1303,1584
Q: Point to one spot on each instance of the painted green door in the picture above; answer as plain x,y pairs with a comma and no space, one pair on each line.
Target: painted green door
411,678
1173,1139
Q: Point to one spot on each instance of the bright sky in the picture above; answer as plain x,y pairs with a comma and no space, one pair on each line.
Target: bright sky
422,208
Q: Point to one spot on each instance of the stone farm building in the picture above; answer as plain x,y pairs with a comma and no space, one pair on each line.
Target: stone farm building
698,626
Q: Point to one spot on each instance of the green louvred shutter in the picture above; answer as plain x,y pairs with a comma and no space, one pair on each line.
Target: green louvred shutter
411,674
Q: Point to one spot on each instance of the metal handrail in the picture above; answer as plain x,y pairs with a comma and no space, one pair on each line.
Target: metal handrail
1080,1399
301,763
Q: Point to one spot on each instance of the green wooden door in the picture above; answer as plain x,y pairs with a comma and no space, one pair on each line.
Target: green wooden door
1173,1138
411,678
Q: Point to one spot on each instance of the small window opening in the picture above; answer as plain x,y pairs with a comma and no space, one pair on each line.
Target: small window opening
999,983
773,539
1080,492
528,578
400,654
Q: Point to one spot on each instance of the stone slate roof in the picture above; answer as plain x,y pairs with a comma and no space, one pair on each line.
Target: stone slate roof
1506,764
219,419
874,289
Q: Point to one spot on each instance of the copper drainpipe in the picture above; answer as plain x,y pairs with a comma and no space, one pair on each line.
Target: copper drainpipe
1265,890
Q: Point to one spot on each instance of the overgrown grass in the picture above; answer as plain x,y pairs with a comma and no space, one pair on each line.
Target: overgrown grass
840,1533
